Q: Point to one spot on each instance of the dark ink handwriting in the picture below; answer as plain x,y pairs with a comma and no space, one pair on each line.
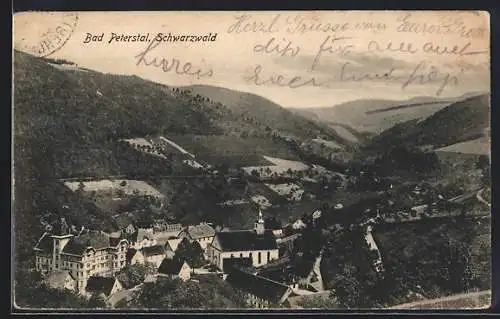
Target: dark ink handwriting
347,75
430,47
301,24
273,46
332,45
245,23
170,65
403,47
447,25
423,74
280,80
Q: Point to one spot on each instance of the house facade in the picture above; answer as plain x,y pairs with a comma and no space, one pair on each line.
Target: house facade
84,255
259,245
174,268
260,292
202,233
153,255
104,286
145,238
171,246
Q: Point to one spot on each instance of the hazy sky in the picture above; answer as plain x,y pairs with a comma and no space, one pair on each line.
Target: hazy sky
335,46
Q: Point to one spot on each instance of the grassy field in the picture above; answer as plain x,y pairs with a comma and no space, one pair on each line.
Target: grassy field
231,150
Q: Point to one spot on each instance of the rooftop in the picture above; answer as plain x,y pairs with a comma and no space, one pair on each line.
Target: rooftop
201,230
170,266
258,286
100,285
153,250
95,239
246,240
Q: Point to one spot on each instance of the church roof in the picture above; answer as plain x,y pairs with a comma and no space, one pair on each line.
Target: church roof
243,240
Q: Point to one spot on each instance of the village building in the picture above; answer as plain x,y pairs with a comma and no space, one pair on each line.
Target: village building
202,233
61,279
171,246
145,238
259,245
83,255
152,255
161,225
260,292
102,286
125,224
174,268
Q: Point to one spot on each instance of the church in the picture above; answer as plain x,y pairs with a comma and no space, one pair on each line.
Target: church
259,245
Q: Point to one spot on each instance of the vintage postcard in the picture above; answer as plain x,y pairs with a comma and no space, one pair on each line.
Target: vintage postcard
251,160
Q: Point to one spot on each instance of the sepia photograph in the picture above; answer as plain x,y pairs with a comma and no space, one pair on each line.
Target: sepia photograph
283,160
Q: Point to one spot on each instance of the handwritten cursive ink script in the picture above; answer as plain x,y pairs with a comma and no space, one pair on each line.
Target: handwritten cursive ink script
285,48
424,74
170,65
332,45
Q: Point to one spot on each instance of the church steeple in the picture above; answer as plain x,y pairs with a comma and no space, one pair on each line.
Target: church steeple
259,225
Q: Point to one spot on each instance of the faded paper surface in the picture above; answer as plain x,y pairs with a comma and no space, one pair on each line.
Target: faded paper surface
402,97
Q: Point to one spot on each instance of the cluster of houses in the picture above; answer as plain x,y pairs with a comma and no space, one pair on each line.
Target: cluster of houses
88,261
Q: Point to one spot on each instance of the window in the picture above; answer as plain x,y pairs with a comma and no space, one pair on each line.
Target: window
241,255
259,258
268,256
232,256
250,255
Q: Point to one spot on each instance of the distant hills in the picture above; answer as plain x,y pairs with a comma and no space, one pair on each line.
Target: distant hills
259,109
464,120
375,116
67,120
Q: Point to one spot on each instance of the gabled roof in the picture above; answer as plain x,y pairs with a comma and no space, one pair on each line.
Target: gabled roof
201,230
100,285
130,254
45,243
153,250
246,240
170,266
162,237
258,286
143,234
174,242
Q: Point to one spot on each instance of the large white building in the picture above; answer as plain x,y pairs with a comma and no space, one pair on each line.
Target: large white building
258,244
84,255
